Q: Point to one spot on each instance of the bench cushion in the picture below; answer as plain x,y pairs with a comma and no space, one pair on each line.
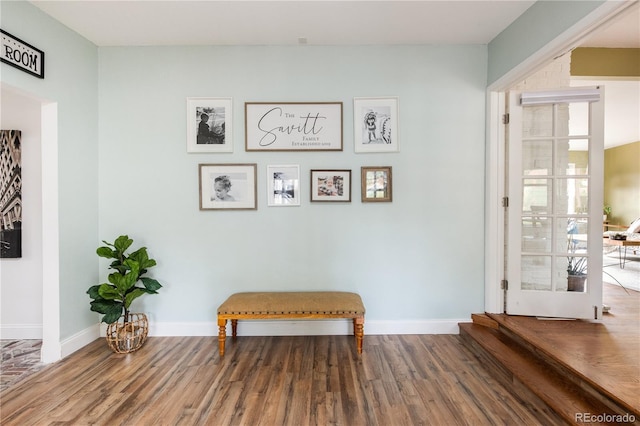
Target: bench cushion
299,302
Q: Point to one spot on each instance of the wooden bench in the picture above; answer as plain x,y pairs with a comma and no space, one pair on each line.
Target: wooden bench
290,305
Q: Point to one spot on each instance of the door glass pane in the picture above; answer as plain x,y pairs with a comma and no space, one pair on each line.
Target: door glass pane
579,118
570,235
574,155
536,234
536,196
536,273
537,121
537,158
572,196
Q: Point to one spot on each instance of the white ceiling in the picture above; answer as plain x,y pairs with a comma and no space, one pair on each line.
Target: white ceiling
323,22
238,22
327,22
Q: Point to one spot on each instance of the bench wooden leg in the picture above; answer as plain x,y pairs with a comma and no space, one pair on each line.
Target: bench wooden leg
222,334
234,328
358,331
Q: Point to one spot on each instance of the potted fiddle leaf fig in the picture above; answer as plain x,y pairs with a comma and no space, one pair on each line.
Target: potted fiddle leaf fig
126,331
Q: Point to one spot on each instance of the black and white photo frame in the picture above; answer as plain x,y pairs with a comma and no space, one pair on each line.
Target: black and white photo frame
283,185
375,124
209,125
228,186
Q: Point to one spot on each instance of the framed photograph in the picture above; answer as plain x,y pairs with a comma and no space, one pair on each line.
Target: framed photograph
331,185
283,185
293,126
209,125
376,184
375,124
227,186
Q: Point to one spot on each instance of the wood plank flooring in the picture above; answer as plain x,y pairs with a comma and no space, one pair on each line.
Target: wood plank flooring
299,380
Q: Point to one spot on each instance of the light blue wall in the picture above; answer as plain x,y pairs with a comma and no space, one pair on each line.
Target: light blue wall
419,257
539,25
71,80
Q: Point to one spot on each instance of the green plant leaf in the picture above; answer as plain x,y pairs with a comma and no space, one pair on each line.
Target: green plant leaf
93,292
109,292
142,258
105,306
151,284
112,316
106,252
122,243
132,295
134,267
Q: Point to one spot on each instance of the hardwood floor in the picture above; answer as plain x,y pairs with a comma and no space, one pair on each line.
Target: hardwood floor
314,380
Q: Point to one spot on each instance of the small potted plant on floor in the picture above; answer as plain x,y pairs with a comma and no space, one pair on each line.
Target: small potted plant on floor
126,331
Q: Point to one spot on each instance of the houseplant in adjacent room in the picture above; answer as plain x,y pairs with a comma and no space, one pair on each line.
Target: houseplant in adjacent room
126,331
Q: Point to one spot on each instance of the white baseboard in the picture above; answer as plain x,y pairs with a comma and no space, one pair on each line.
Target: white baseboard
271,328
306,328
79,340
21,332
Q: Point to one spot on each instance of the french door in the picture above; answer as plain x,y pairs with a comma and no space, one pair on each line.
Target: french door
555,195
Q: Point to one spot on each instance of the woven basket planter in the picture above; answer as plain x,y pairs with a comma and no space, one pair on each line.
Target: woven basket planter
124,337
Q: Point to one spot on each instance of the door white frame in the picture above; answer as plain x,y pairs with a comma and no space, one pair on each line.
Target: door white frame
495,147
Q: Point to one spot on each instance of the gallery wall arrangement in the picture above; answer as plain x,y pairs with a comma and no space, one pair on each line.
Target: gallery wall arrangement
289,126
10,194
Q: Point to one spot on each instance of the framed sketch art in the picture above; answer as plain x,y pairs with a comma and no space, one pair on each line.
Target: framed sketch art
331,185
209,125
376,184
283,185
293,126
375,124
227,186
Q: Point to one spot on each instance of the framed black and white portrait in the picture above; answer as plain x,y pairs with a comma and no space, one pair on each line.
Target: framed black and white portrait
228,186
375,124
209,125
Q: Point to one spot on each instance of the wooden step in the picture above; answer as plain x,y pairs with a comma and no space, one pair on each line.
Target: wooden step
485,321
528,376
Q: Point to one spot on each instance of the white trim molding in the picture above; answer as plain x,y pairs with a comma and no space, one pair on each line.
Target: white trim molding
21,332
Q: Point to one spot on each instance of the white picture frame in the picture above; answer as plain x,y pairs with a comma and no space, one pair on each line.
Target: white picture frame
375,125
209,125
283,185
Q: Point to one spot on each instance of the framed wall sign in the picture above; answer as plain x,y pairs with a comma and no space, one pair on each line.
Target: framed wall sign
293,126
331,185
283,185
21,55
375,124
227,186
209,125
376,184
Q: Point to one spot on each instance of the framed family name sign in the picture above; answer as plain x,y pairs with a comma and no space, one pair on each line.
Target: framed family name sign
293,126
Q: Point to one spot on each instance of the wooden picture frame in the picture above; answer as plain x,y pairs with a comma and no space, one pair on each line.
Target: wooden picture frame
283,185
376,184
331,185
293,126
228,186
209,125
375,125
